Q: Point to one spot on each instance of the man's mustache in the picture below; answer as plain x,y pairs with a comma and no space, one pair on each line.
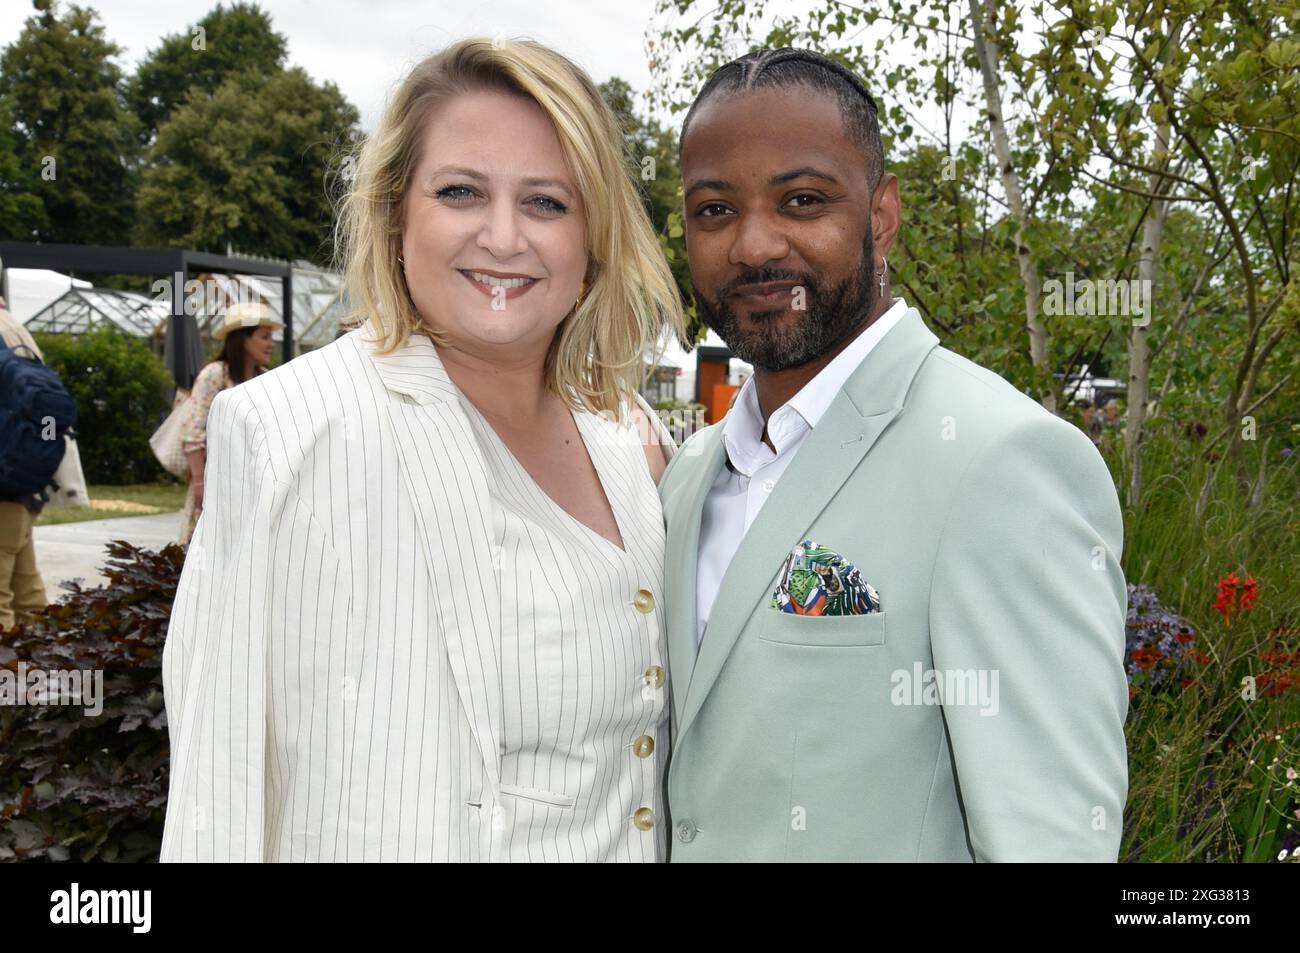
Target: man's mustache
765,276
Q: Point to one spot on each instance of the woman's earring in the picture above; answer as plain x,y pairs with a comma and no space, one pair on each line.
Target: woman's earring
582,293
884,270
401,260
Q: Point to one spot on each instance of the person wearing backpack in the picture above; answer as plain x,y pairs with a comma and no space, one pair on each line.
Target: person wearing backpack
36,413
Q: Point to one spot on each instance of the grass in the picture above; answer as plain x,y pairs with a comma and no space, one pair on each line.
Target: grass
111,502
1208,763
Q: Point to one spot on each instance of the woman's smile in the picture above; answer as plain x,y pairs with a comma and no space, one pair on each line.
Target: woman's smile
495,285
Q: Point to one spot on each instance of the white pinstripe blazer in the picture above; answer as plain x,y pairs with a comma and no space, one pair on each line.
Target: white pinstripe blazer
340,480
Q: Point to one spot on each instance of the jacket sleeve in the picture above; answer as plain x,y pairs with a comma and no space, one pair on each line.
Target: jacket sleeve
215,659
1028,590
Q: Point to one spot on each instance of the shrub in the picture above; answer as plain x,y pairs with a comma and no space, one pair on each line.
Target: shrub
80,787
121,389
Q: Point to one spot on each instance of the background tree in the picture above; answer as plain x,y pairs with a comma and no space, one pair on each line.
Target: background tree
651,153
246,167
228,40
22,213
72,135
1193,104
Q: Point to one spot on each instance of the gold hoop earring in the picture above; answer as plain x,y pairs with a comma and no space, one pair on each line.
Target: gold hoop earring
582,294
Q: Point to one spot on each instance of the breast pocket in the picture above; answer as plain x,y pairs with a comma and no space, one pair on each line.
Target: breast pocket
821,630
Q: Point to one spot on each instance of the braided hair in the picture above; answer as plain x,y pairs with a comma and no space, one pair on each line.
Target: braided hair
786,67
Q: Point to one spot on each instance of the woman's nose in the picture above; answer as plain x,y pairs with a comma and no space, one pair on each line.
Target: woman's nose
500,234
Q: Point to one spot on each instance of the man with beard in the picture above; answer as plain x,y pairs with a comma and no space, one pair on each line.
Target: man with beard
895,606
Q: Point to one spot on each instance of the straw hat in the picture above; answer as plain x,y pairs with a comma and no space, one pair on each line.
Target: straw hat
246,314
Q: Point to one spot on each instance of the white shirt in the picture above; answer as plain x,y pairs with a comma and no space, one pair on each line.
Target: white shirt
584,735
735,498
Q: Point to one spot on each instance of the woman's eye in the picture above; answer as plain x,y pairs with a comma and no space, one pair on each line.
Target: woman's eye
549,205
454,193
704,210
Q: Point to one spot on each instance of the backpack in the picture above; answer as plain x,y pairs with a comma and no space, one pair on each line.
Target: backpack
36,413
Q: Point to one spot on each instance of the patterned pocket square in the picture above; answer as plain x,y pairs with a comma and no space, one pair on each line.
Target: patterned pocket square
819,581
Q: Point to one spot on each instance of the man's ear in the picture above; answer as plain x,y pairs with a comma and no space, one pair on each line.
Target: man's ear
886,214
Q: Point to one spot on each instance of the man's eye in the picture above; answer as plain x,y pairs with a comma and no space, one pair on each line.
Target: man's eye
704,210
811,201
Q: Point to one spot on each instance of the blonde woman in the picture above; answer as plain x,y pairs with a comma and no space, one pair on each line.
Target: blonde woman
246,346
421,619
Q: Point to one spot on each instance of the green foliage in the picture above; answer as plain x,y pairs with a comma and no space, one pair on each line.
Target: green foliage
82,787
121,389
213,142
1203,785
72,135
228,40
651,155
22,213
246,166
1221,76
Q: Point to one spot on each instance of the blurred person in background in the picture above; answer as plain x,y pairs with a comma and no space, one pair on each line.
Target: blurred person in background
246,351
21,586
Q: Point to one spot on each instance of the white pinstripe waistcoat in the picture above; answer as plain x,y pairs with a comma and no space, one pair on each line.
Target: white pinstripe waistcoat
331,673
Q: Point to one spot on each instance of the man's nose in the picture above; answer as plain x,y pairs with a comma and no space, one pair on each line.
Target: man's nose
758,240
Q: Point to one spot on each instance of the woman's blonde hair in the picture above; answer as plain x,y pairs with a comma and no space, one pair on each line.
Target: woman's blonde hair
598,350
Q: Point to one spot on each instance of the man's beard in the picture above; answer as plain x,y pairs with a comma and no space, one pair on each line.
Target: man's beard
831,314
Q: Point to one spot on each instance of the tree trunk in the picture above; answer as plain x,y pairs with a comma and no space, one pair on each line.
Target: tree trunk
986,51
1139,349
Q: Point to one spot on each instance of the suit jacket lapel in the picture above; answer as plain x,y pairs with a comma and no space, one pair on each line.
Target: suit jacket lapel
681,555
871,399
447,480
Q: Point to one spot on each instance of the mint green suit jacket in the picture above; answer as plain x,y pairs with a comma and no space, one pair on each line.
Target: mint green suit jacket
979,715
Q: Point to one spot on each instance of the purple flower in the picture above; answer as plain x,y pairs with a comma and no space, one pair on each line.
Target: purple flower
1154,632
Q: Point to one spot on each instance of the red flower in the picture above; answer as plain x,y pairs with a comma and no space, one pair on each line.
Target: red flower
1184,637
1200,658
1228,598
1185,682
1249,593
1146,656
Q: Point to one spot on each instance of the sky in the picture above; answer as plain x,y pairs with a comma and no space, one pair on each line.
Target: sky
364,46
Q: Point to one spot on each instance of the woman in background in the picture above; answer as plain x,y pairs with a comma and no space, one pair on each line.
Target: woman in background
246,351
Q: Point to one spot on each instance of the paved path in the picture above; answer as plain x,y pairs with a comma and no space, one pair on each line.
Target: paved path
77,550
